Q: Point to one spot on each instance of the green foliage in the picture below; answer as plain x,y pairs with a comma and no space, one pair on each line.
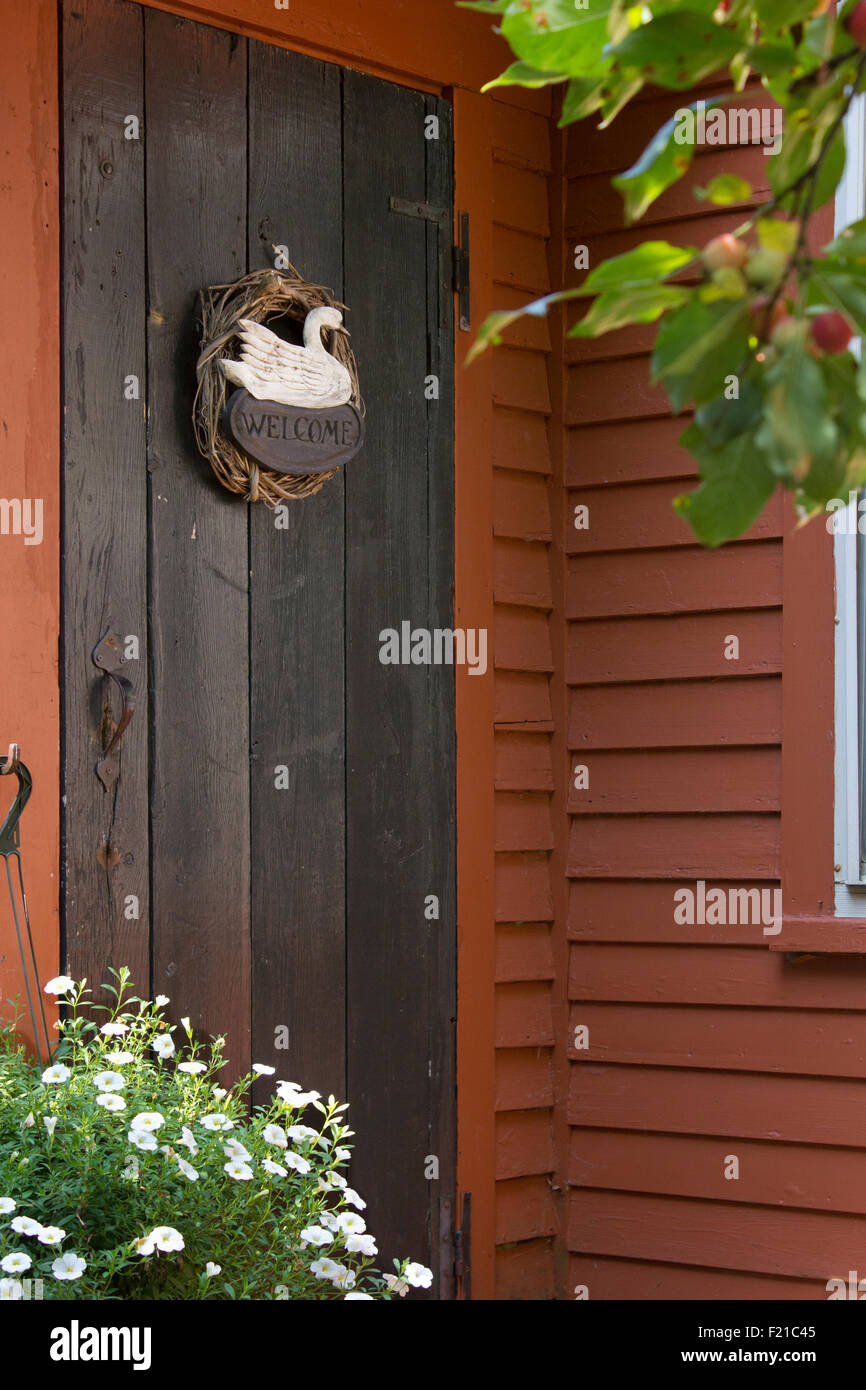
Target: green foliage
128,1172
736,342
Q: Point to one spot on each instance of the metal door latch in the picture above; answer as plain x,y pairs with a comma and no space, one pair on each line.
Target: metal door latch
108,658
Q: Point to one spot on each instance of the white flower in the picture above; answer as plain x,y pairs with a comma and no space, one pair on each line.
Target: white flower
329,1219
50,1123
275,1169
291,1093
328,1182
161,1000
419,1276
61,984
51,1235
109,1081
301,1132
216,1122
114,1030
119,1059
109,1101
144,1245
296,1161
193,1068
241,1172
361,1244
166,1237
186,1025
316,1235
163,1046
342,1155
142,1140
398,1286
68,1266
212,1270
344,1278
262,1069
324,1268
187,1169
7,1204
350,1195
16,1263
25,1226
351,1224
275,1134
30,1121
367,1297
218,1092
10,1289
234,1149
189,1140
147,1121
53,1076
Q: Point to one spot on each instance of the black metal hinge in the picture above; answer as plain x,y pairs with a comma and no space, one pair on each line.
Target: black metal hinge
459,253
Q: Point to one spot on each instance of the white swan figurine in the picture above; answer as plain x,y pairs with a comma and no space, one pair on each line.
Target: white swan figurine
274,370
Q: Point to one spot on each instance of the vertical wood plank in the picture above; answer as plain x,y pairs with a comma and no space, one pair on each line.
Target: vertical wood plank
394,765
196,236
105,494
297,618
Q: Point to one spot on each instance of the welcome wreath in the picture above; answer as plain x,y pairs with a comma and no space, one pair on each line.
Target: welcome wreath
293,399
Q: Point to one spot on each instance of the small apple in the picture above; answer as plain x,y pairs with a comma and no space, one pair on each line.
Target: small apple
856,24
766,266
831,332
789,331
725,250
730,283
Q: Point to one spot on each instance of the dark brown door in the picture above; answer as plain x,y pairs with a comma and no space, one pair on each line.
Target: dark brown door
284,811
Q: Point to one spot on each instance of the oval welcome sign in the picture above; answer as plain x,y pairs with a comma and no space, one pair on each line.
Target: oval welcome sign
294,439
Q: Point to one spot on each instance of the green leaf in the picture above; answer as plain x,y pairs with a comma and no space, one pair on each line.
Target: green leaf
777,235
849,247
799,435
522,75
780,14
843,292
491,330
583,95
736,486
644,265
666,158
831,171
770,59
614,309
721,420
725,188
570,40
698,346
678,49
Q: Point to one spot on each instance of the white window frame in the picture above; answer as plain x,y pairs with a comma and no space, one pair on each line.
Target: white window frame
850,803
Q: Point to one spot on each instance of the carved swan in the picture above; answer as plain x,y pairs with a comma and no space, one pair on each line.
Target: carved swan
273,370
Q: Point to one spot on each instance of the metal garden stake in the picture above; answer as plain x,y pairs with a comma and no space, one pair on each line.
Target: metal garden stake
9,849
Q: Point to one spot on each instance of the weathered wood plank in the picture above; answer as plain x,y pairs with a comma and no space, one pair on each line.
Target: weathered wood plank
649,780
676,715
106,860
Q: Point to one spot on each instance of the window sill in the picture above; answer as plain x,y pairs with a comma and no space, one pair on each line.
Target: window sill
837,936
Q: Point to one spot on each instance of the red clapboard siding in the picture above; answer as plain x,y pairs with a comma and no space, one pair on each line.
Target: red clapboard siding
521,573
524,952
635,340
786,1175
714,975
520,260
679,233
798,1042
523,763
520,380
687,847
805,1244
520,199
674,647
529,331
794,1109
522,640
524,1210
524,1143
607,910
520,441
681,715
521,506
523,1015
632,1280
521,139
626,452
669,581
523,888
524,1078
679,780
523,821
521,698
525,1272
622,389
629,518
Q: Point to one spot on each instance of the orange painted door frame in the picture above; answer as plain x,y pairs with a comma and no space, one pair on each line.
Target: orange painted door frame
429,45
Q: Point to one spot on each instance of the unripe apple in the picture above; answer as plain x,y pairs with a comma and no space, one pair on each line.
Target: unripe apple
856,24
789,331
831,332
725,250
766,266
730,282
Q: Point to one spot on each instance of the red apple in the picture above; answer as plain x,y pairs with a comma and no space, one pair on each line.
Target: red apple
831,332
856,24
725,250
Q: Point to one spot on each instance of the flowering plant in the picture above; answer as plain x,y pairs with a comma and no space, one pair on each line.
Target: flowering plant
128,1172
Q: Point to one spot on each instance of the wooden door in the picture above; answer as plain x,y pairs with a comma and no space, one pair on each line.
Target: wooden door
263,901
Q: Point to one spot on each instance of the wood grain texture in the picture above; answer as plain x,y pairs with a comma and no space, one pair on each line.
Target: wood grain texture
669,581
650,780
652,1281
523,1015
105,507
524,1078
524,1143
682,714
635,518
679,847
673,647
626,451
524,1210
